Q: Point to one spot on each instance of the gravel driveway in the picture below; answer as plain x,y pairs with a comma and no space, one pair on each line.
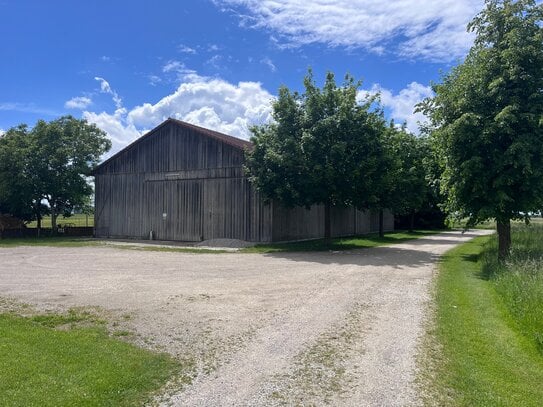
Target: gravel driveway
329,328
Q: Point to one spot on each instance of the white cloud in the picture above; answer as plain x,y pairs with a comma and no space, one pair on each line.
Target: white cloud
212,103
115,125
154,80
186,49
2,132
269,63
208,102
79,102
183,73
402,104
215,61
106,88
427,29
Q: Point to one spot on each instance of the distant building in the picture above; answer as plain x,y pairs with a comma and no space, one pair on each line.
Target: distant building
186,183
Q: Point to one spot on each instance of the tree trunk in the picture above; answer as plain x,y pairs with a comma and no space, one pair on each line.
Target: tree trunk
54,221
381,224
327,221
412,222
504,238
38,219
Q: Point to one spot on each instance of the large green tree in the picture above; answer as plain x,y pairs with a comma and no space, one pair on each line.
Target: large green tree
49,164
487,114
325,146
16,190
408,188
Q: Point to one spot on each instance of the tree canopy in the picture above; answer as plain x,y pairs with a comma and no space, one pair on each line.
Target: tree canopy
487,115
49,164
325,146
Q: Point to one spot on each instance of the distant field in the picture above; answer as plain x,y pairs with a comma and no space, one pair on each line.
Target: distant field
74,220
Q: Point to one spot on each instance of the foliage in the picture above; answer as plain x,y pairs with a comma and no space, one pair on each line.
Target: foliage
409,188
477,353
17,196
49,163
487,117
42,366
324,147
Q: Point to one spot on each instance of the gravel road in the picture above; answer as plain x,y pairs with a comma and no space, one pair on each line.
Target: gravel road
329,328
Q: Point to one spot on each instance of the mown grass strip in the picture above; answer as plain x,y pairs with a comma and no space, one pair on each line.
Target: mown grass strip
43,366
340,243
477,352
336,244
55,241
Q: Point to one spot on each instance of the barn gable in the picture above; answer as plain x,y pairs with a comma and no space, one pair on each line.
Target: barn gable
175,146
179,182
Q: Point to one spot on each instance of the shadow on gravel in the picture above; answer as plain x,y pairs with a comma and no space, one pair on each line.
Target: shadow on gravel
391,256
380,256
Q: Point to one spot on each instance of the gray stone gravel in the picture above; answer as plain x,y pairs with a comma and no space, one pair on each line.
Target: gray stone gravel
337,328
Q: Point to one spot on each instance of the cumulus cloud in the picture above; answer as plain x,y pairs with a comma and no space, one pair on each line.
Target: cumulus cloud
213,103
116,126
208,102
2,132
401,105
79,102
427,29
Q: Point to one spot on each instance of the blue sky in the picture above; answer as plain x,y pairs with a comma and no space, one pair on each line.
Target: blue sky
128,65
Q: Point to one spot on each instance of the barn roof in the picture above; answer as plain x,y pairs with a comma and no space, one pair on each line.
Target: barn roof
232,141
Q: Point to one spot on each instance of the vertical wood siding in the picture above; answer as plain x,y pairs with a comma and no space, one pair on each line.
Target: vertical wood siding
184,185
300,223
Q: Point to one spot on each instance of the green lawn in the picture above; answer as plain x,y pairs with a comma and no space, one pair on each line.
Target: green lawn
58,241
74,220
340,243
74,366
484,349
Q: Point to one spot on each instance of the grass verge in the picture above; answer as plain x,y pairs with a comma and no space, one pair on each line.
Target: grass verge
340,243
482,349
58,241
70,360
344,243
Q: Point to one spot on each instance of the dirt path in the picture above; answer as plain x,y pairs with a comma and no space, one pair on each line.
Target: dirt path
336,328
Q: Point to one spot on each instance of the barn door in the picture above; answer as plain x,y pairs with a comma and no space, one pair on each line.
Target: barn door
174,210
184,210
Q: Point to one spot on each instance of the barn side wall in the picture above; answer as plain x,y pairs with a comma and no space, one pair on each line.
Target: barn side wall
173,208
300,223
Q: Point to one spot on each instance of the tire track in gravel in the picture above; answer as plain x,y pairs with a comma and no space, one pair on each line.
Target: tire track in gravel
392,283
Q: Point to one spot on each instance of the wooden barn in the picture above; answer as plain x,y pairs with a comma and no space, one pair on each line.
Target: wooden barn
183,182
